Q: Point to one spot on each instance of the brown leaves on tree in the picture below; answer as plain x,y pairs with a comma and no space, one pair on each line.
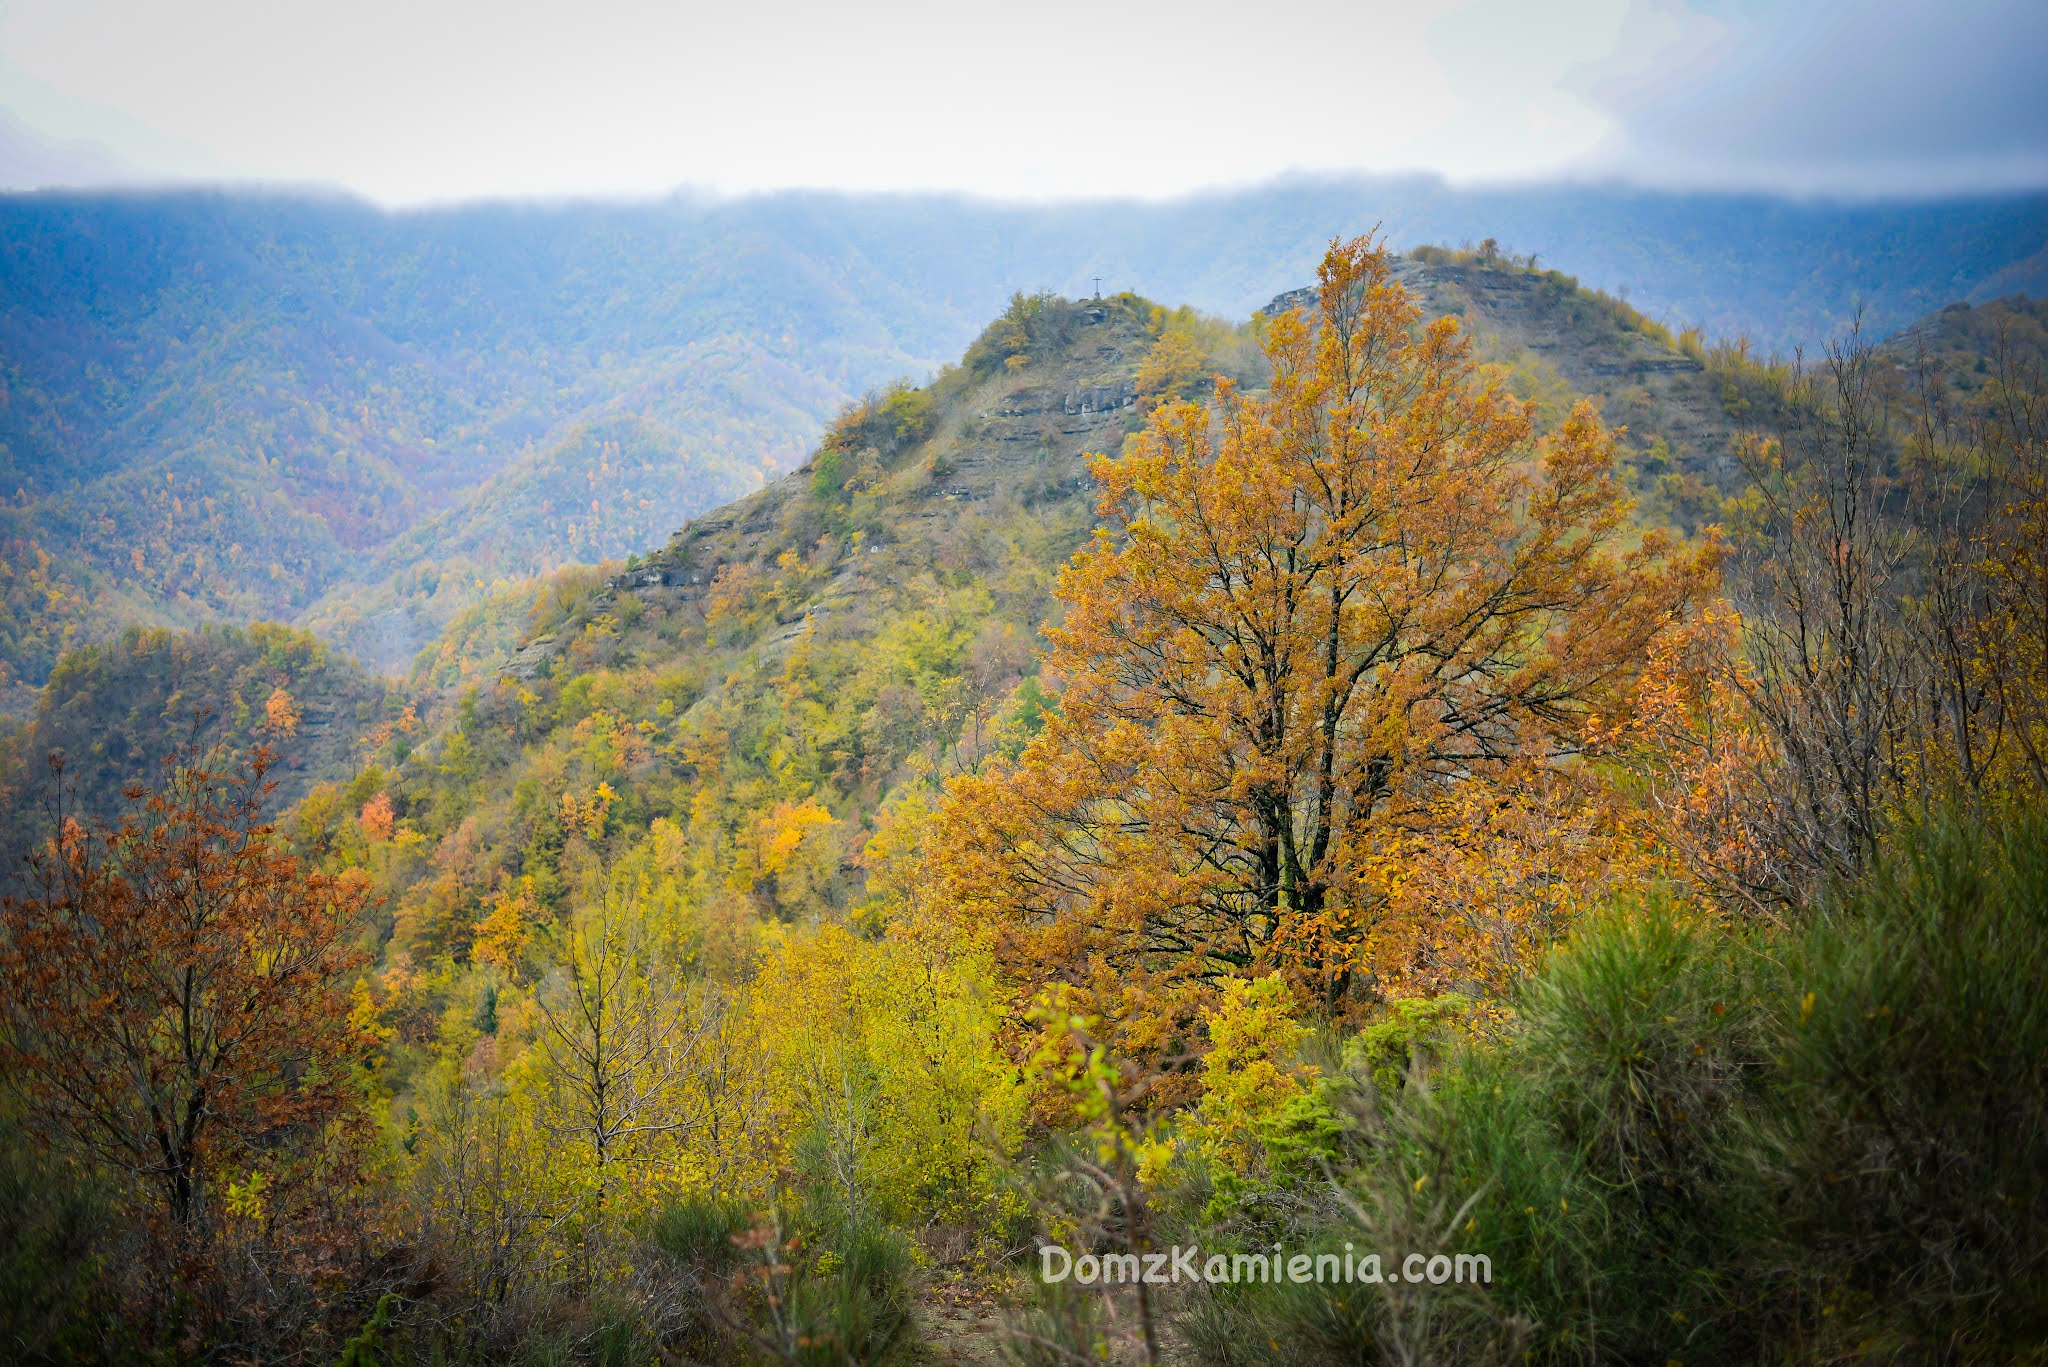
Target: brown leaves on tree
173,992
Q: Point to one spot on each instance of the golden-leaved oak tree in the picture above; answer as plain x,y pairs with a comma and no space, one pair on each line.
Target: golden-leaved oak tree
1309,614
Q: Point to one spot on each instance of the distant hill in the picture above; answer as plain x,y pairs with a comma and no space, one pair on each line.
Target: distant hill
221,407
1979,348
115,711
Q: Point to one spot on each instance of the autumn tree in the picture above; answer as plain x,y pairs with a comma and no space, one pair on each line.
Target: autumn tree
173,990
281,712
1977,613
2012,630
1886,652
619,1038
1308,616
1707,769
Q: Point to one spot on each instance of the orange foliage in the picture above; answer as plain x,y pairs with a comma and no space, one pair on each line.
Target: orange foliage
1329,644
280,713
1495,872
1689,732
376,818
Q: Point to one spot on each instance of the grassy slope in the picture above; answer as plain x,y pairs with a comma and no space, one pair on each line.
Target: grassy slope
1972,346
1560,340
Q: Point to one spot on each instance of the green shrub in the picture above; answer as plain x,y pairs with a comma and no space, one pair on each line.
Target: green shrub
1905,1148
851,1304
1696,1145
699,1231
753,1287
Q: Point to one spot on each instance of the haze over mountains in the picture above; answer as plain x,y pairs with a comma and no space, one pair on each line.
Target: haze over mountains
225,407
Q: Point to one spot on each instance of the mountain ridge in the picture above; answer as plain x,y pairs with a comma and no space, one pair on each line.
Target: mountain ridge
340,388
823,644
335,378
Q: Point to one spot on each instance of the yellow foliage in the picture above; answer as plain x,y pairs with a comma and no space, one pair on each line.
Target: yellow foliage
280,713
1174,367
788,848
363,1016
782,831
503,935
1249,1074
884,1054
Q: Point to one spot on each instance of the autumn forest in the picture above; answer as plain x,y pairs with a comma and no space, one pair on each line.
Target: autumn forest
1444,767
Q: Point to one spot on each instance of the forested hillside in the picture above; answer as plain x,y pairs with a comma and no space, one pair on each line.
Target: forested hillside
1311,790
114,714
229,407
993,454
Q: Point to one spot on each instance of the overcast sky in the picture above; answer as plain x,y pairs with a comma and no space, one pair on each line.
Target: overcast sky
411,101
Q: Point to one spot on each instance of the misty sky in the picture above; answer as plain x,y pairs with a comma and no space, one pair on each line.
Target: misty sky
412,101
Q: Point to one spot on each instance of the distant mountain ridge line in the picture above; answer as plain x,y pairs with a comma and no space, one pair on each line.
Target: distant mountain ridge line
1038,237
220,406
